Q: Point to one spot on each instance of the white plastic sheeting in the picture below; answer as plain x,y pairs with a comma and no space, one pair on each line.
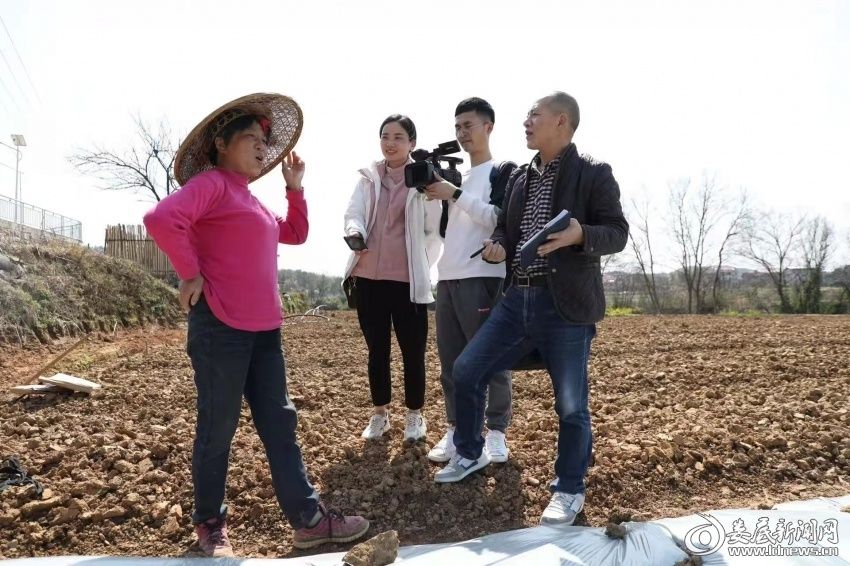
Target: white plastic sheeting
646,544
824,530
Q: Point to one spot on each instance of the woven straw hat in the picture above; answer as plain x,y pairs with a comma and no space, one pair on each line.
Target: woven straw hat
283,113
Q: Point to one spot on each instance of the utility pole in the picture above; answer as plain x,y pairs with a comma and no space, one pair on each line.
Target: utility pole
19,142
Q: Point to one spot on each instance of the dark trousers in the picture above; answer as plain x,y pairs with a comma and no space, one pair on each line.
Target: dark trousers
525,319
462,307
228,364
382,306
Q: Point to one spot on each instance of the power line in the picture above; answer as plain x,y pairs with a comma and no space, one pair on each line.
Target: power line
14,78
24,67
12,98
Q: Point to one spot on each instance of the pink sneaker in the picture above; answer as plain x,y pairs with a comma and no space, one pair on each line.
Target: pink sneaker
332,527
212,537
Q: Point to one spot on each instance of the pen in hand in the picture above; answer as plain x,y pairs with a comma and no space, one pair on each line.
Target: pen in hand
478,252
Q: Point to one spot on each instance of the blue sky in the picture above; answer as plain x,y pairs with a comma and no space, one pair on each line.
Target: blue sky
755,92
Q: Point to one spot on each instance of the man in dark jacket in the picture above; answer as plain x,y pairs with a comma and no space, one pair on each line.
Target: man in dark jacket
551,305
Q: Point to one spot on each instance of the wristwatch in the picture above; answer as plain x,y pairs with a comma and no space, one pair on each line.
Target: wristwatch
457,194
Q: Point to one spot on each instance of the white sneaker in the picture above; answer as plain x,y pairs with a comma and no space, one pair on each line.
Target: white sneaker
496,447
414,426
378,425
460,467
562,509
445,448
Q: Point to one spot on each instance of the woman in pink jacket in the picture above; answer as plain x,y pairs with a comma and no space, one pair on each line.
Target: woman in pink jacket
398,231
223,244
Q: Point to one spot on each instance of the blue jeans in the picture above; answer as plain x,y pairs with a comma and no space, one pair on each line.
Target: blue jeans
525,319
230,363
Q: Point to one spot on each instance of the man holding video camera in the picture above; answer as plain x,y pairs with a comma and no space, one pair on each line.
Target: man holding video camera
552,304
468,287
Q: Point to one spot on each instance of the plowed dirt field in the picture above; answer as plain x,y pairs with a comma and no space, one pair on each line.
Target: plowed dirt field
689,413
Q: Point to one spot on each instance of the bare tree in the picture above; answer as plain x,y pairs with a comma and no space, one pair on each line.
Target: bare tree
641,241
147,166
694,216
817,239
769,241
738,219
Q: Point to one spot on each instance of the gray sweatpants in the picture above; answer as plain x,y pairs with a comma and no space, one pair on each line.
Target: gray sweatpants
462,307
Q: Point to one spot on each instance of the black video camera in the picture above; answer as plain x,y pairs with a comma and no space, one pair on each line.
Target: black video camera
421,173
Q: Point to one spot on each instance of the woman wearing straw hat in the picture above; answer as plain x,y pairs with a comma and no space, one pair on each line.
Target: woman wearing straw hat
397,231
223,244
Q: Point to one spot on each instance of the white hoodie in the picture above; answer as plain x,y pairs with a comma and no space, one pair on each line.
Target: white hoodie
421,234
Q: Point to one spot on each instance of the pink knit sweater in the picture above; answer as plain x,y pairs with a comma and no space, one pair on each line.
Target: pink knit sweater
215,227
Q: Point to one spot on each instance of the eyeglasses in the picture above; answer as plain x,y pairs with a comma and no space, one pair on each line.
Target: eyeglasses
467,127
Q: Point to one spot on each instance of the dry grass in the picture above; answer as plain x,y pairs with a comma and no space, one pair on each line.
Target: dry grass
63,289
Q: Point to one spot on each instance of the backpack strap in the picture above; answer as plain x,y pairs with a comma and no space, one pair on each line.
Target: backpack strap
499,177
444,217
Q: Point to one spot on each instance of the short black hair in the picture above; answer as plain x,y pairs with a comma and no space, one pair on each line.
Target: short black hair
477,105
563,102
403,121
238,125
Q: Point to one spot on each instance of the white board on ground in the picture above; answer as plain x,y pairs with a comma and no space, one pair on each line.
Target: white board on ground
71,382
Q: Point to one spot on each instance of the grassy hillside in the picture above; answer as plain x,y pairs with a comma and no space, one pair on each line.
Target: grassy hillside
50,289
